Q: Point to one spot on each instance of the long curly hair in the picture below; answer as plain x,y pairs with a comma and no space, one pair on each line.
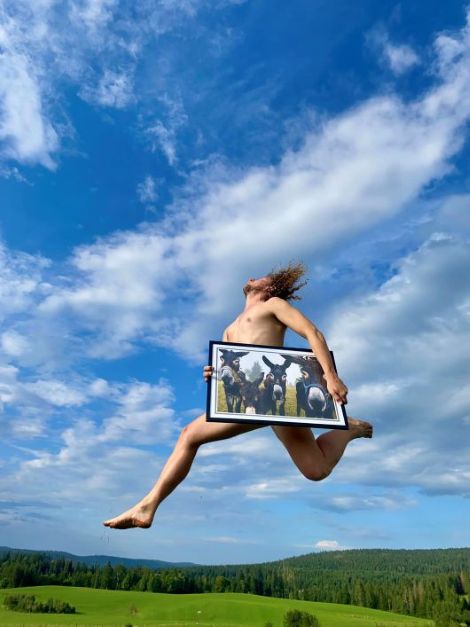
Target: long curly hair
285,281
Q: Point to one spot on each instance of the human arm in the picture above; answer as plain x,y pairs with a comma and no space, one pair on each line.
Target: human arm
293,319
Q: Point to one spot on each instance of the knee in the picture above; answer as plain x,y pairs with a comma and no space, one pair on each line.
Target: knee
192,435
187,437
316,473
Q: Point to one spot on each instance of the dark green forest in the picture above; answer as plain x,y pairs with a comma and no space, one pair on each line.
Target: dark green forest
425,583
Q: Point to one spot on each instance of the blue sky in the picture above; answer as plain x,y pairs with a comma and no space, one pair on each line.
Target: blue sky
154,155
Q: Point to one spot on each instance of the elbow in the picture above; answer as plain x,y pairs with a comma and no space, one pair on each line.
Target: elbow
315,335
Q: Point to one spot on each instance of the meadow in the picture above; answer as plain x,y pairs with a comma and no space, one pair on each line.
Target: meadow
109,607
290,406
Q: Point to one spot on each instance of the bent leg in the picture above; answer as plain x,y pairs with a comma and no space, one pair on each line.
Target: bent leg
316,458
198,432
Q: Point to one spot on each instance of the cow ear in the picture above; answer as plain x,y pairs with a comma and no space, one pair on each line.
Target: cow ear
266,361
242,354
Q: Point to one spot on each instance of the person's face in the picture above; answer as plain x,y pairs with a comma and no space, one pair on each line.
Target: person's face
256,285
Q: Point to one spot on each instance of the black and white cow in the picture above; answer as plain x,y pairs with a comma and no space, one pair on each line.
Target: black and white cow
312,395
275,386
232,378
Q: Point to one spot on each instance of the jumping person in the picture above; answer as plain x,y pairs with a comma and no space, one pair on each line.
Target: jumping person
264,320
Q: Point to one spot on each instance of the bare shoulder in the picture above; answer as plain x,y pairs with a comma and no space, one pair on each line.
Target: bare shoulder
290,316
276,304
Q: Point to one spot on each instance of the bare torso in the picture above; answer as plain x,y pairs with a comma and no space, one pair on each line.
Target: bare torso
256,325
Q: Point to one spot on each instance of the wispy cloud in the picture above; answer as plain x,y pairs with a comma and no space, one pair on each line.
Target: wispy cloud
114,89
93,46
147,190
354,502
398,57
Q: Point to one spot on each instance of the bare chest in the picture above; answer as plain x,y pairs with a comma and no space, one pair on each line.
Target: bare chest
252,325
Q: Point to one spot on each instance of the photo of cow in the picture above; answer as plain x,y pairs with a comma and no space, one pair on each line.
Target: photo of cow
272,385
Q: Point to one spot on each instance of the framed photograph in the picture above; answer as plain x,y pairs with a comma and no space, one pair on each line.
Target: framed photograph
270,385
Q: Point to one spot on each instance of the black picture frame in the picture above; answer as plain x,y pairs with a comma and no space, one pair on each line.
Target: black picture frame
299,388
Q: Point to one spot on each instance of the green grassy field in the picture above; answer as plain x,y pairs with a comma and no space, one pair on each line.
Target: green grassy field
290,406
109,607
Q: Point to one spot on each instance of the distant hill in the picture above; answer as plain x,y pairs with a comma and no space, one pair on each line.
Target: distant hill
396,561
100,560
409,561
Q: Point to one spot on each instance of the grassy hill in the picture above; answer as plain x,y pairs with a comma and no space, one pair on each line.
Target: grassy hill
109,607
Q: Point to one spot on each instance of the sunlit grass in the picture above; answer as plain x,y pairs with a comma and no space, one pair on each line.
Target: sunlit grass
109,607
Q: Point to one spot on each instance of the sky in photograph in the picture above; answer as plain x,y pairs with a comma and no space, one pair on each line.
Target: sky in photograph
156,154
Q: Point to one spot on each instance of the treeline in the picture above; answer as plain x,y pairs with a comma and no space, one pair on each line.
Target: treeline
427,584
28,603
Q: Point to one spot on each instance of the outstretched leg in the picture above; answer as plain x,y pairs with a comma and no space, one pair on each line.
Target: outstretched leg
316,458
176,468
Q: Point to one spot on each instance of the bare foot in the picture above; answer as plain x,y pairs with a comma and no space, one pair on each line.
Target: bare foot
141,515
360,428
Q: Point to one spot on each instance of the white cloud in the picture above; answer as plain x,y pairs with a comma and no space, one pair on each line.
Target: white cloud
128,273
114,89
400,58
254,445
99,387
164,138
21,281
94,13
415,323
8,384
163,133
24,128
352,502
87,460
274,488
407,345
56,392
147,191
143,416
13,343
328,545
